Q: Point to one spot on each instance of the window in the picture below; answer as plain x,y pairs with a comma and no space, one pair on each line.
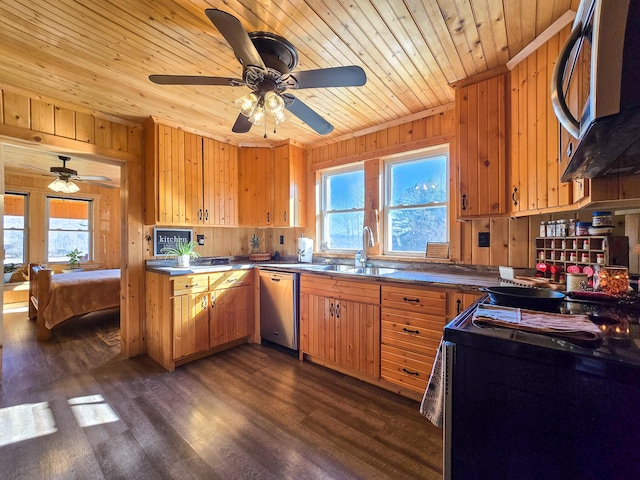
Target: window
342,205
416,203
15,227
69,227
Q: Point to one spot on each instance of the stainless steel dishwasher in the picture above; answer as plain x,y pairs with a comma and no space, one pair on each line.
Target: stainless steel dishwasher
279,308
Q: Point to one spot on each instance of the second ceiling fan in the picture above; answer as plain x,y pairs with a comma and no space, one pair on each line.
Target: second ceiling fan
267,62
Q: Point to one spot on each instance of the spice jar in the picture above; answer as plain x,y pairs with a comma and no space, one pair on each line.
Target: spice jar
571,227
551,228
543,229
601,219
582,228
585,258
611,279
600,258
561,228
573,257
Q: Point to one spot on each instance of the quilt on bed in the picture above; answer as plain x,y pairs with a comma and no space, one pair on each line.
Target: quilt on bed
79,293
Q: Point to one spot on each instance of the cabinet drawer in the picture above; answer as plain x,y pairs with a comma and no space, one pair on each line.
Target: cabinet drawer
418,300
409,369
185,284
410,337
362,292
233,278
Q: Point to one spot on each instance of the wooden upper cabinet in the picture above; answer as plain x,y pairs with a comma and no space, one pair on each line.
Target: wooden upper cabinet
536,142
189,179
481,148
272,186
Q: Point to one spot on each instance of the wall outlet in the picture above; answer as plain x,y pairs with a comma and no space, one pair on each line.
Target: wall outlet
200,239
484,239
281,239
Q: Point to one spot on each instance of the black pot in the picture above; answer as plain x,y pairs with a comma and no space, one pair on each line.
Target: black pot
523,297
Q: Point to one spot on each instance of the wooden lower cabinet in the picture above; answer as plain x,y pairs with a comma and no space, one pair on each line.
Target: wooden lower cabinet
340,324
190,316
412,323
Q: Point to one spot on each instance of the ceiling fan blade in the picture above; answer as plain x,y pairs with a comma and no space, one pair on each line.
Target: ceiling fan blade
352,76
194,80
242,125
33,167
307,115
91,178
237,37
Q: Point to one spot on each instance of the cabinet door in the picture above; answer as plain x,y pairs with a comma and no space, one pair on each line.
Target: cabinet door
481,140
231,314
458,302
219,183
190,324
194,213
289,187
358,336
169,181
255,173
317,326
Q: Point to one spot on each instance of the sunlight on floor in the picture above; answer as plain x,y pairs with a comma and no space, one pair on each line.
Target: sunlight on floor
22,422
92,410
17,309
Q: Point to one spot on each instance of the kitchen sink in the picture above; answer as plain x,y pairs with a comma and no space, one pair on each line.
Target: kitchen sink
332,268
372,270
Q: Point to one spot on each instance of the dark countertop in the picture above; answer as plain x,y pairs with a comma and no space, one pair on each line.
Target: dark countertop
460,277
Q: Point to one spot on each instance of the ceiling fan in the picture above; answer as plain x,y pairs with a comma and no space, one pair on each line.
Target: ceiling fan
66,176
267,62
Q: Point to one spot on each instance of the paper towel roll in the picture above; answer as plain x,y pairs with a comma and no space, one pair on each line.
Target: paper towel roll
305,250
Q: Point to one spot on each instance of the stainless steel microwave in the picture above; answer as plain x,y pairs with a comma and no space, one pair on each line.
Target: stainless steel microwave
595,89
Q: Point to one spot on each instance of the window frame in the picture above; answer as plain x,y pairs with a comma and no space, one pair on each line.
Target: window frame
90,229
407,157
25,229
322,201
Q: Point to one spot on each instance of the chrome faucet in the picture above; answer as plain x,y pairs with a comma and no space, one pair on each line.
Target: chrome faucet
365,244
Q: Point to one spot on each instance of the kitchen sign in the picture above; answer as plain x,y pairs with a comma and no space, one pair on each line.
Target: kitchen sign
165,238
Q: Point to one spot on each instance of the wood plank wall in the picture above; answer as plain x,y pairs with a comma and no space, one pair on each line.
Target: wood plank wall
23,111
106,216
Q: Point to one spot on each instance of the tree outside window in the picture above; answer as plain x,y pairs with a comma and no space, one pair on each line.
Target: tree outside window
69,228
417,202
14,225
342,213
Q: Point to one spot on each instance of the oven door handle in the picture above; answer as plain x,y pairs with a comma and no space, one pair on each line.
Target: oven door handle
558,100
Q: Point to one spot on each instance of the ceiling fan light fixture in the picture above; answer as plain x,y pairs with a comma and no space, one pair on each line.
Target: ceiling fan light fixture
279,117
273,103
246,104
62,186
258,116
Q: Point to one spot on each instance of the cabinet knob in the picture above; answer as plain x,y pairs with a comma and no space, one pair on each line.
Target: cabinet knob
268,217
338,311
464,202
200,214
284,215
409,372
191,285
206,215
458,305
514,196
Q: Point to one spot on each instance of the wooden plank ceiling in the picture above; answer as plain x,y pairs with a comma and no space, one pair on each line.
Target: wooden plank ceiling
99,53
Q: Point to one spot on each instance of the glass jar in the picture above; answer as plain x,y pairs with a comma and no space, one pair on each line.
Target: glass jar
561,228
611,279
585,258
571,227
601,219
582,228
551,228
600,258
573,257
543,229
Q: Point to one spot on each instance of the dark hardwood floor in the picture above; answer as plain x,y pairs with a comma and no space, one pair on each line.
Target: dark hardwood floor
74,408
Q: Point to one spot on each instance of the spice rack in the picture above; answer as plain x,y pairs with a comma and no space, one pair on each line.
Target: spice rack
588,250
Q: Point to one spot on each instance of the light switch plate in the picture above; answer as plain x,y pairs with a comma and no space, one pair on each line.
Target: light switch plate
484,239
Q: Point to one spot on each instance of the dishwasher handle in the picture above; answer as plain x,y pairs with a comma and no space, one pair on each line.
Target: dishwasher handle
275,279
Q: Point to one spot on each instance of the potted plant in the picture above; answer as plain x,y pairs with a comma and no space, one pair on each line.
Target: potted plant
74,260
9,268
256,254
185,251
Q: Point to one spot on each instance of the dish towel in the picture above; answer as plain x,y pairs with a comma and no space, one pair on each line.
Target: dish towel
569,327
432,405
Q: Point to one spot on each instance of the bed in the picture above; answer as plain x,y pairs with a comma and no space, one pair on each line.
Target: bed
54,299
